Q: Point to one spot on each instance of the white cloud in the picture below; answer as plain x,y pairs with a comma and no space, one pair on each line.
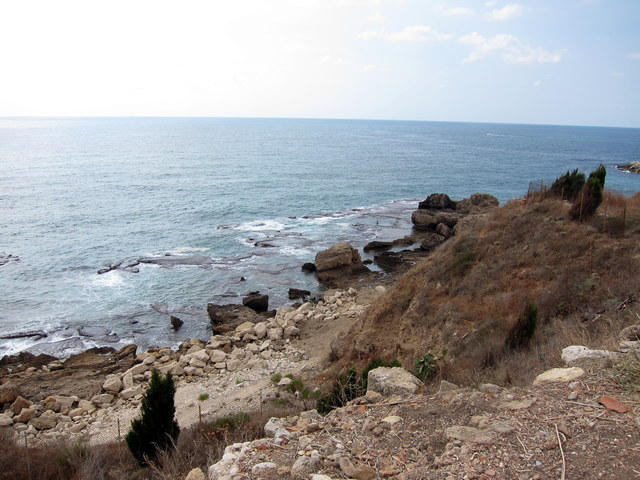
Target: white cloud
458,11
413,33
510,48
537,83
505,13
374,68
376,18
342,3
634,56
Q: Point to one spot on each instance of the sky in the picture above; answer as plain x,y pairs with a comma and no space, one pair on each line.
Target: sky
563,62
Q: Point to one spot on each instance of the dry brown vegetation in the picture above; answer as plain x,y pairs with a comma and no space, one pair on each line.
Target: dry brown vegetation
468,295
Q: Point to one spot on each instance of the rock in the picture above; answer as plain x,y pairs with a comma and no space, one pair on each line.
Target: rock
518,404
431,241
195,474
260,329
377,246
276,428
225,318
392,381
447,386
257,302
437,201
233,364
217,356
138,369
77,412
102,399
175,260
490,388
308,267
275,333
296,293
469,434
46,421
291,331
5,420
25,415
559,375
633,167
477,203
380,290
613,404
388,260
37,334
631,333
577,353
361,472
18,404
132,392
339,261
176,323
112,384
245,327
428,220
305,465
8,394
263,467
127,381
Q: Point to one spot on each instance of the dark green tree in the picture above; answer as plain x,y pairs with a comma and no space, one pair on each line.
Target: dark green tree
590,198
568,186
156,430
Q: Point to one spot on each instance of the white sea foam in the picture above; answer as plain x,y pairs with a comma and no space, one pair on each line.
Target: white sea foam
109,279
179,250
293,251
261,225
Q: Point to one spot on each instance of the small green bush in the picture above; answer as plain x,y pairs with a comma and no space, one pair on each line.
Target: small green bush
203,396
427,366
156,430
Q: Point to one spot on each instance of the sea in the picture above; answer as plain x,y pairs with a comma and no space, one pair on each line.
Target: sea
227,206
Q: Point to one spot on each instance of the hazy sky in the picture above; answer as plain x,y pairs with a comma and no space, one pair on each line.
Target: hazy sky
530,61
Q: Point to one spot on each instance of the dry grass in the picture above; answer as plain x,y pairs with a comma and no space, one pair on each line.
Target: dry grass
467,296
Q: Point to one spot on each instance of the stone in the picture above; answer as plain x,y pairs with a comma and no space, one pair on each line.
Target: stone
112,384
19,403
447,386
233,364
102,399
257,302
25,415
613,404
437,201
360,472
518,404
477,203
380,290
5,420
305,465
275,333
77,412
296,293
469,434
195,474
559,375
87,405
138,369
260,329
263,467
176,323
217,356
428,220
202,355
132,392
576,353
127,380
490,388
291,331
431,241
46,421
392,419
392,381
276,428
339,261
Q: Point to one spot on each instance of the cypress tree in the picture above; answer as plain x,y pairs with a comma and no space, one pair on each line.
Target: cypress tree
156,430
588,201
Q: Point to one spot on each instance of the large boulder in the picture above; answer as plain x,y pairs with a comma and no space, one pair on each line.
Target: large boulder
437,201
256,301
392,381
428,220
339,261
225,318
477,203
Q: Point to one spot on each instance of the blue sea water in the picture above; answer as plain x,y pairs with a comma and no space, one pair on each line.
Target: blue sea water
255,197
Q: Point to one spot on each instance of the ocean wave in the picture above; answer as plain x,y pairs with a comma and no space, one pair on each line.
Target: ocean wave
262,225
113,278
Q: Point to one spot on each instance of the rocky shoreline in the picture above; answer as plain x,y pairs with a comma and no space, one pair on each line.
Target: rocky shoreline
88,393
633,167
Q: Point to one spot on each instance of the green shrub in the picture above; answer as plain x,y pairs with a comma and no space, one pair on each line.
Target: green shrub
156,430
465,256
568,186
590,197
427,366
350,385
522,331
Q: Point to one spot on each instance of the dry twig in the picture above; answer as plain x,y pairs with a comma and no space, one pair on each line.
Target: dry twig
564,464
